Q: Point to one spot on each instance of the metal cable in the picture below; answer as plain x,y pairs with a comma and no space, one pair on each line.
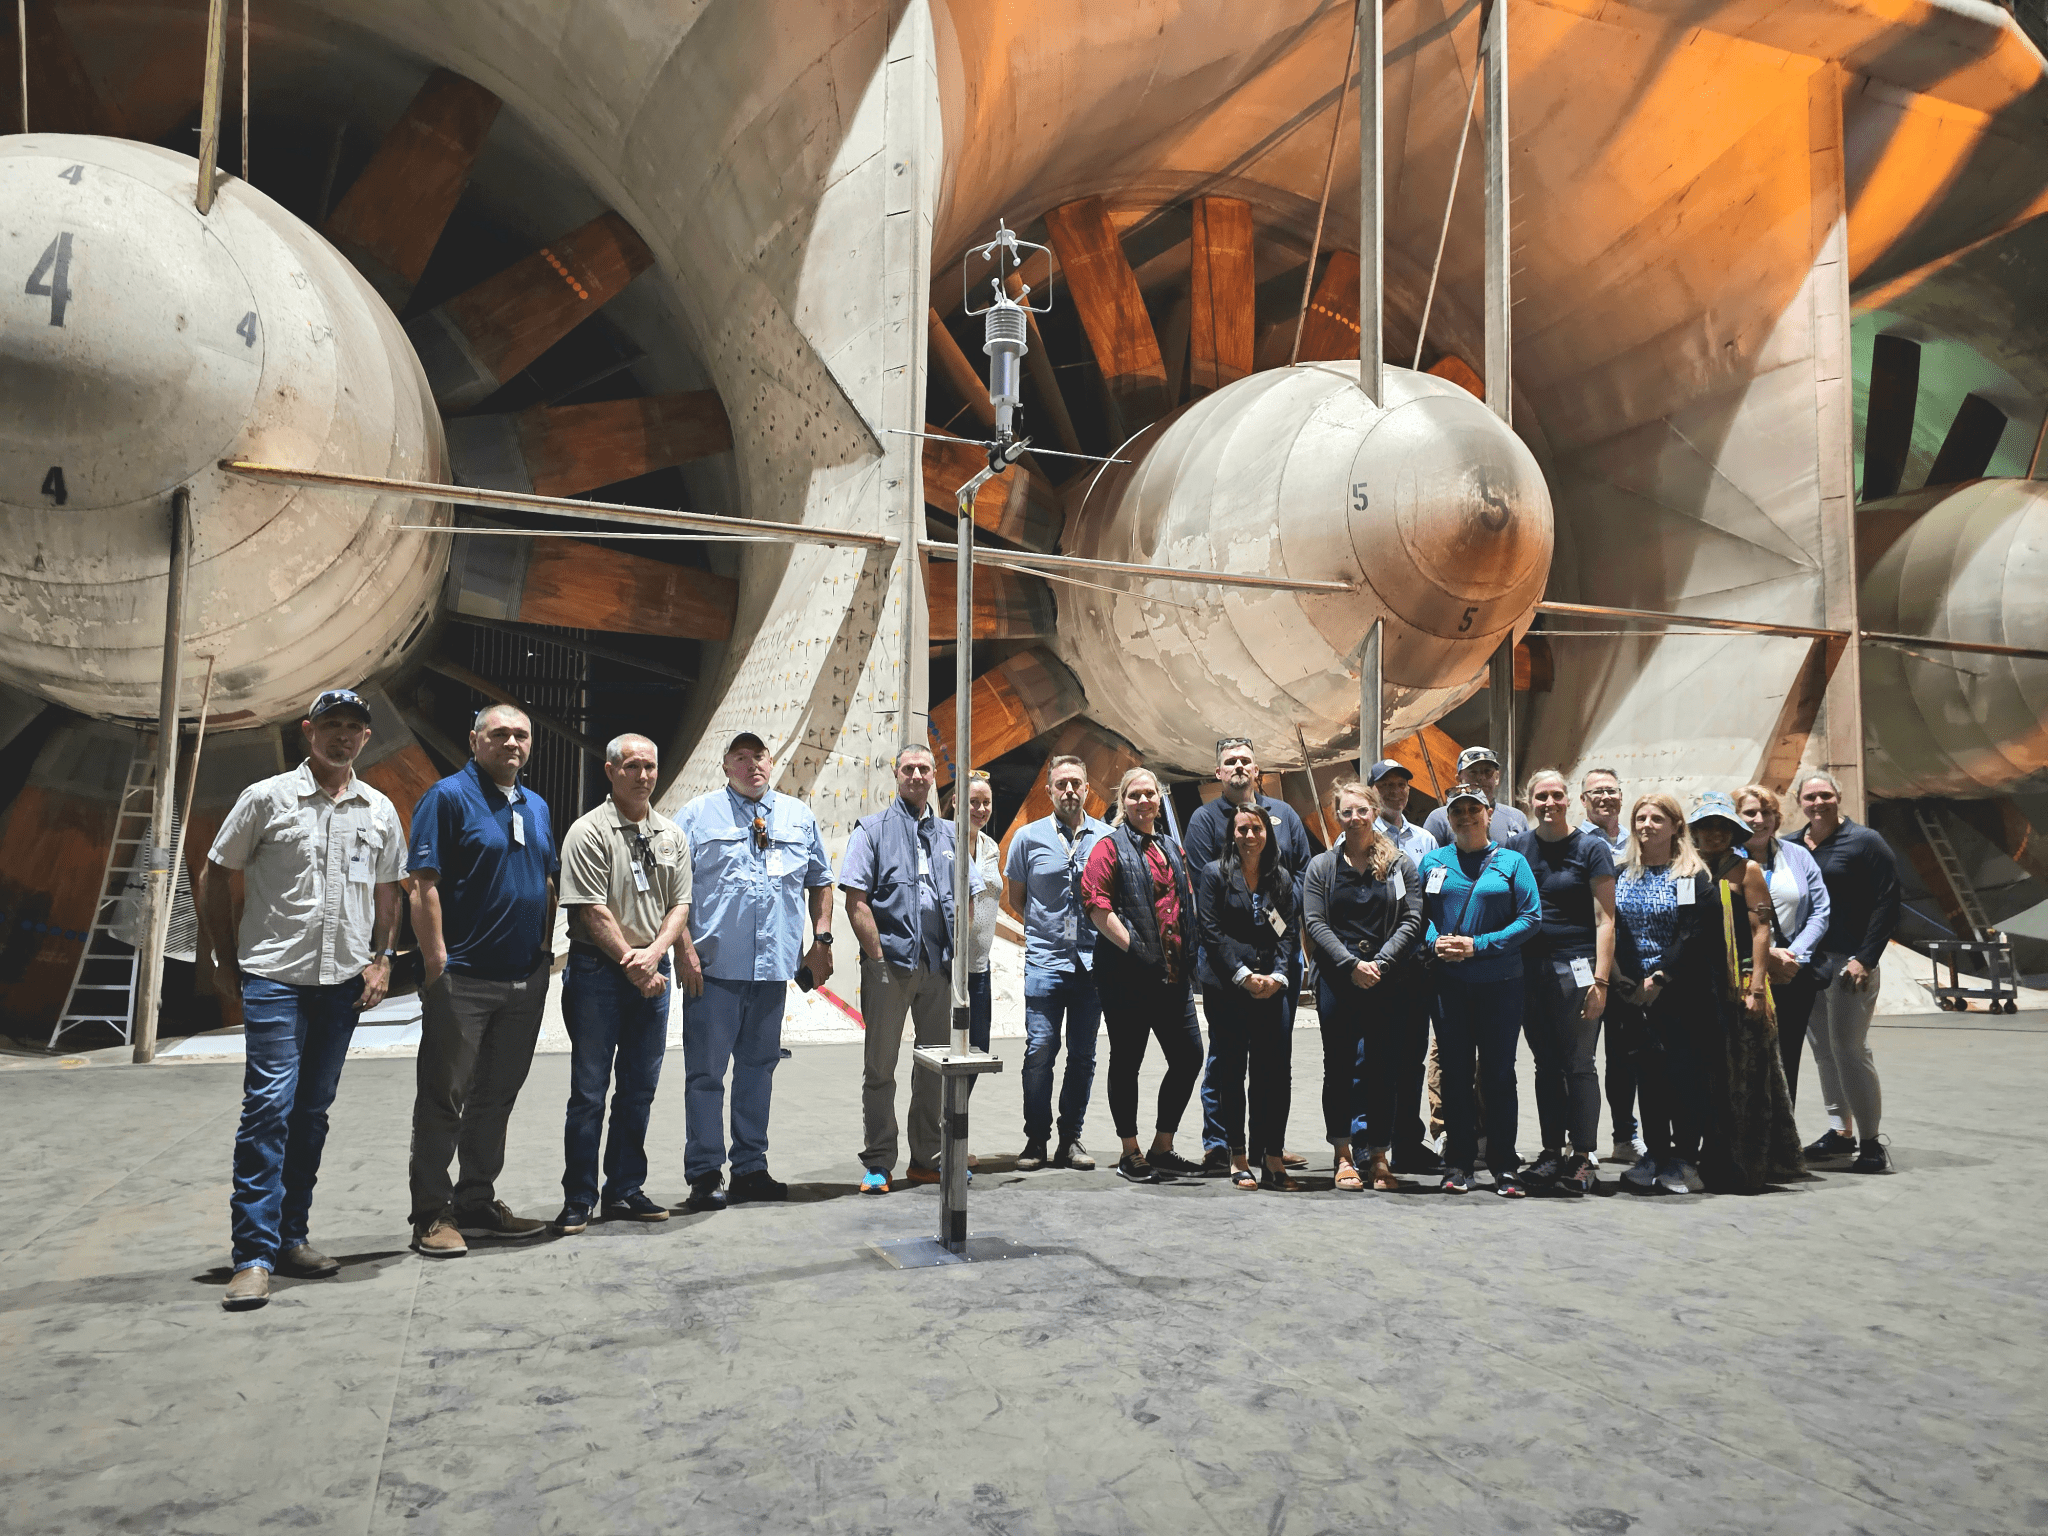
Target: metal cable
1444,234
1315,246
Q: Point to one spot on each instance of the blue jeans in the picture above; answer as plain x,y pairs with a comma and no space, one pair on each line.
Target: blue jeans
1483,1017
1214,1136
736,1023
612,1029
1053,999
297,1040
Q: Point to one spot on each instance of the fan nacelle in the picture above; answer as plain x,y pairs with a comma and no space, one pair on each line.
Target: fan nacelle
140,344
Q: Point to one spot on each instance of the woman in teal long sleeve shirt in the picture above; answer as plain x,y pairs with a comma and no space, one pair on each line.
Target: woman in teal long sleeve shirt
1483,906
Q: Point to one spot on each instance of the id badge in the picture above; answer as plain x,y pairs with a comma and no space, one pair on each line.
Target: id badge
518,829
1276,922
358,868
639,878
1072,929
1582,971
1686,894
924,865
1435,883
775,864
1400,886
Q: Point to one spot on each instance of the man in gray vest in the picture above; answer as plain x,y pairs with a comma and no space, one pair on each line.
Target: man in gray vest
898,879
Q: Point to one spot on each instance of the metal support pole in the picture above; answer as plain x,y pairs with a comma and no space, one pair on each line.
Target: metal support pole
164,797
245,90
1500,312
21,33
209,102
1372,233
953,1105
1371,700
1500,709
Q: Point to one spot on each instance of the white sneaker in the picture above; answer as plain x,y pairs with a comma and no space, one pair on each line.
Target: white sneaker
1671,1178
1642,1174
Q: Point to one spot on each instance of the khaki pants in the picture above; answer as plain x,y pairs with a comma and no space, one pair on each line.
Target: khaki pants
887,993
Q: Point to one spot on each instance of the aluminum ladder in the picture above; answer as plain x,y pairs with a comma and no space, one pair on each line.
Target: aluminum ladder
103,987
1995,949
1952,870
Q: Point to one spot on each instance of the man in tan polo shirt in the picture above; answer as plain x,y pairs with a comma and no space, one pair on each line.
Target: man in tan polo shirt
626,888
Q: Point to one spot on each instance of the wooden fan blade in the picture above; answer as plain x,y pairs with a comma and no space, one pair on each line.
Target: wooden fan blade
1223,294
1330,333
1112,310
1018,505
1785,747
389,221
479,340
1888,421
1460,373
1008,605
1010,704
587,586
958,370
565,450
1972,440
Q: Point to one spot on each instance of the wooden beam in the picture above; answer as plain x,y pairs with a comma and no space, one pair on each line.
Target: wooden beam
1222,295
1008,605
565,450
1019,505
1011,704
1112,309
390,220
479,340
578,585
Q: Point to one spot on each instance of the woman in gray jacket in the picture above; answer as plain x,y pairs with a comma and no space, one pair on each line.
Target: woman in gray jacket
1362,909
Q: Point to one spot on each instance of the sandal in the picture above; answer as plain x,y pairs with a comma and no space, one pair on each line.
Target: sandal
1347,1176
1383,1175
1244,1178
1277,1178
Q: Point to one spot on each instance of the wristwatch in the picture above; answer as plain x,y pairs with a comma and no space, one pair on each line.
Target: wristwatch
822,938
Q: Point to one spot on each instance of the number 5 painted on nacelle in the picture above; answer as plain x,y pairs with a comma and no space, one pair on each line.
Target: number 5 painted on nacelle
56,266
1359,500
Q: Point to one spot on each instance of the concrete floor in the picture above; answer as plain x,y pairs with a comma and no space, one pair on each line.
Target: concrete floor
1851,1355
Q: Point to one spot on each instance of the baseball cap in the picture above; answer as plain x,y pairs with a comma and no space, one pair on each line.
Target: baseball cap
332,700
1472,755
1459,792
745,739
1385,766
1716,806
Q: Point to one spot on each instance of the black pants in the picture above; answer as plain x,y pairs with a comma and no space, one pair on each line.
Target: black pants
1670,1074
1561,1039
1136,1004
1621,1079
1482,1018
1382,1033
1250,1034
1794,1002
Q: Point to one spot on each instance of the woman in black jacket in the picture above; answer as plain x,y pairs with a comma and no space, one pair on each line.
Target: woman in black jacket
1362,909
1246,904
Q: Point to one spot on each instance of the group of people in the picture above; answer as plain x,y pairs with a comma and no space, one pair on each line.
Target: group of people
1708,945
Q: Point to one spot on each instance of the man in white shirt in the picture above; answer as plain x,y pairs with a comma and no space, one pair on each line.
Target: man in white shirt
321,855
1392,782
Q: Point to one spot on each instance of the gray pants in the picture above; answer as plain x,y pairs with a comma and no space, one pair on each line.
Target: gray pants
1839,1032
476,1045
887,993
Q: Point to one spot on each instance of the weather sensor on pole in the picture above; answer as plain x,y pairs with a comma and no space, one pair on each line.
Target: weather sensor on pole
1006,324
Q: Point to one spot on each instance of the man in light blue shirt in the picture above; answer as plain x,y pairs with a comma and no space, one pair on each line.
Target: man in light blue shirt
1391,782
1043,877
1600,794
756,861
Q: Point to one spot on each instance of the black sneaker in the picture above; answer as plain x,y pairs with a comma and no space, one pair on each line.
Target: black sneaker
757,1188
1072,1154
1576,1178
634,1207
1132,1166
1216,1164
1508,1185
1032,1158
575,1217
1832,1144
1871,1157
1547,1168
1417,1160
1170,1162
496,1220
1457,1182
705,1195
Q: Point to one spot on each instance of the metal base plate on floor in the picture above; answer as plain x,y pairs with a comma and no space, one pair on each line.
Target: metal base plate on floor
927,1252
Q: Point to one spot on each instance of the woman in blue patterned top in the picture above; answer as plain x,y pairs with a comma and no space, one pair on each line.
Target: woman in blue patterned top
1482,905
1658,901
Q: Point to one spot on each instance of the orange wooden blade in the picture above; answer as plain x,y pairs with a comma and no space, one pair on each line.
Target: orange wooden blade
1023,698
565,450
1331,331
587,586
1223,294
1112,310
389,221
1008,605
1018,505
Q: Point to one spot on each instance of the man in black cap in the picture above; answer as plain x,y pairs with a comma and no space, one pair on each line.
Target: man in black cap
1479,767
1391,782
1208,834
321,855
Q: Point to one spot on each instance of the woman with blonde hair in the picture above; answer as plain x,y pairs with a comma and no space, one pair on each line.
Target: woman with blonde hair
1362,908
1136,892
1800,913
1660,974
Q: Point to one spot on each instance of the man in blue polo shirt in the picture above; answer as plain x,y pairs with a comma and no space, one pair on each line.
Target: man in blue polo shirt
1044,879
484,863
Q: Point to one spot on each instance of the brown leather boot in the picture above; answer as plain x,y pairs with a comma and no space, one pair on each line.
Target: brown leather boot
248,1290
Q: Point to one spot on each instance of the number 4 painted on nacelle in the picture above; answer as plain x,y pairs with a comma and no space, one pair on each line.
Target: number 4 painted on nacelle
56,266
